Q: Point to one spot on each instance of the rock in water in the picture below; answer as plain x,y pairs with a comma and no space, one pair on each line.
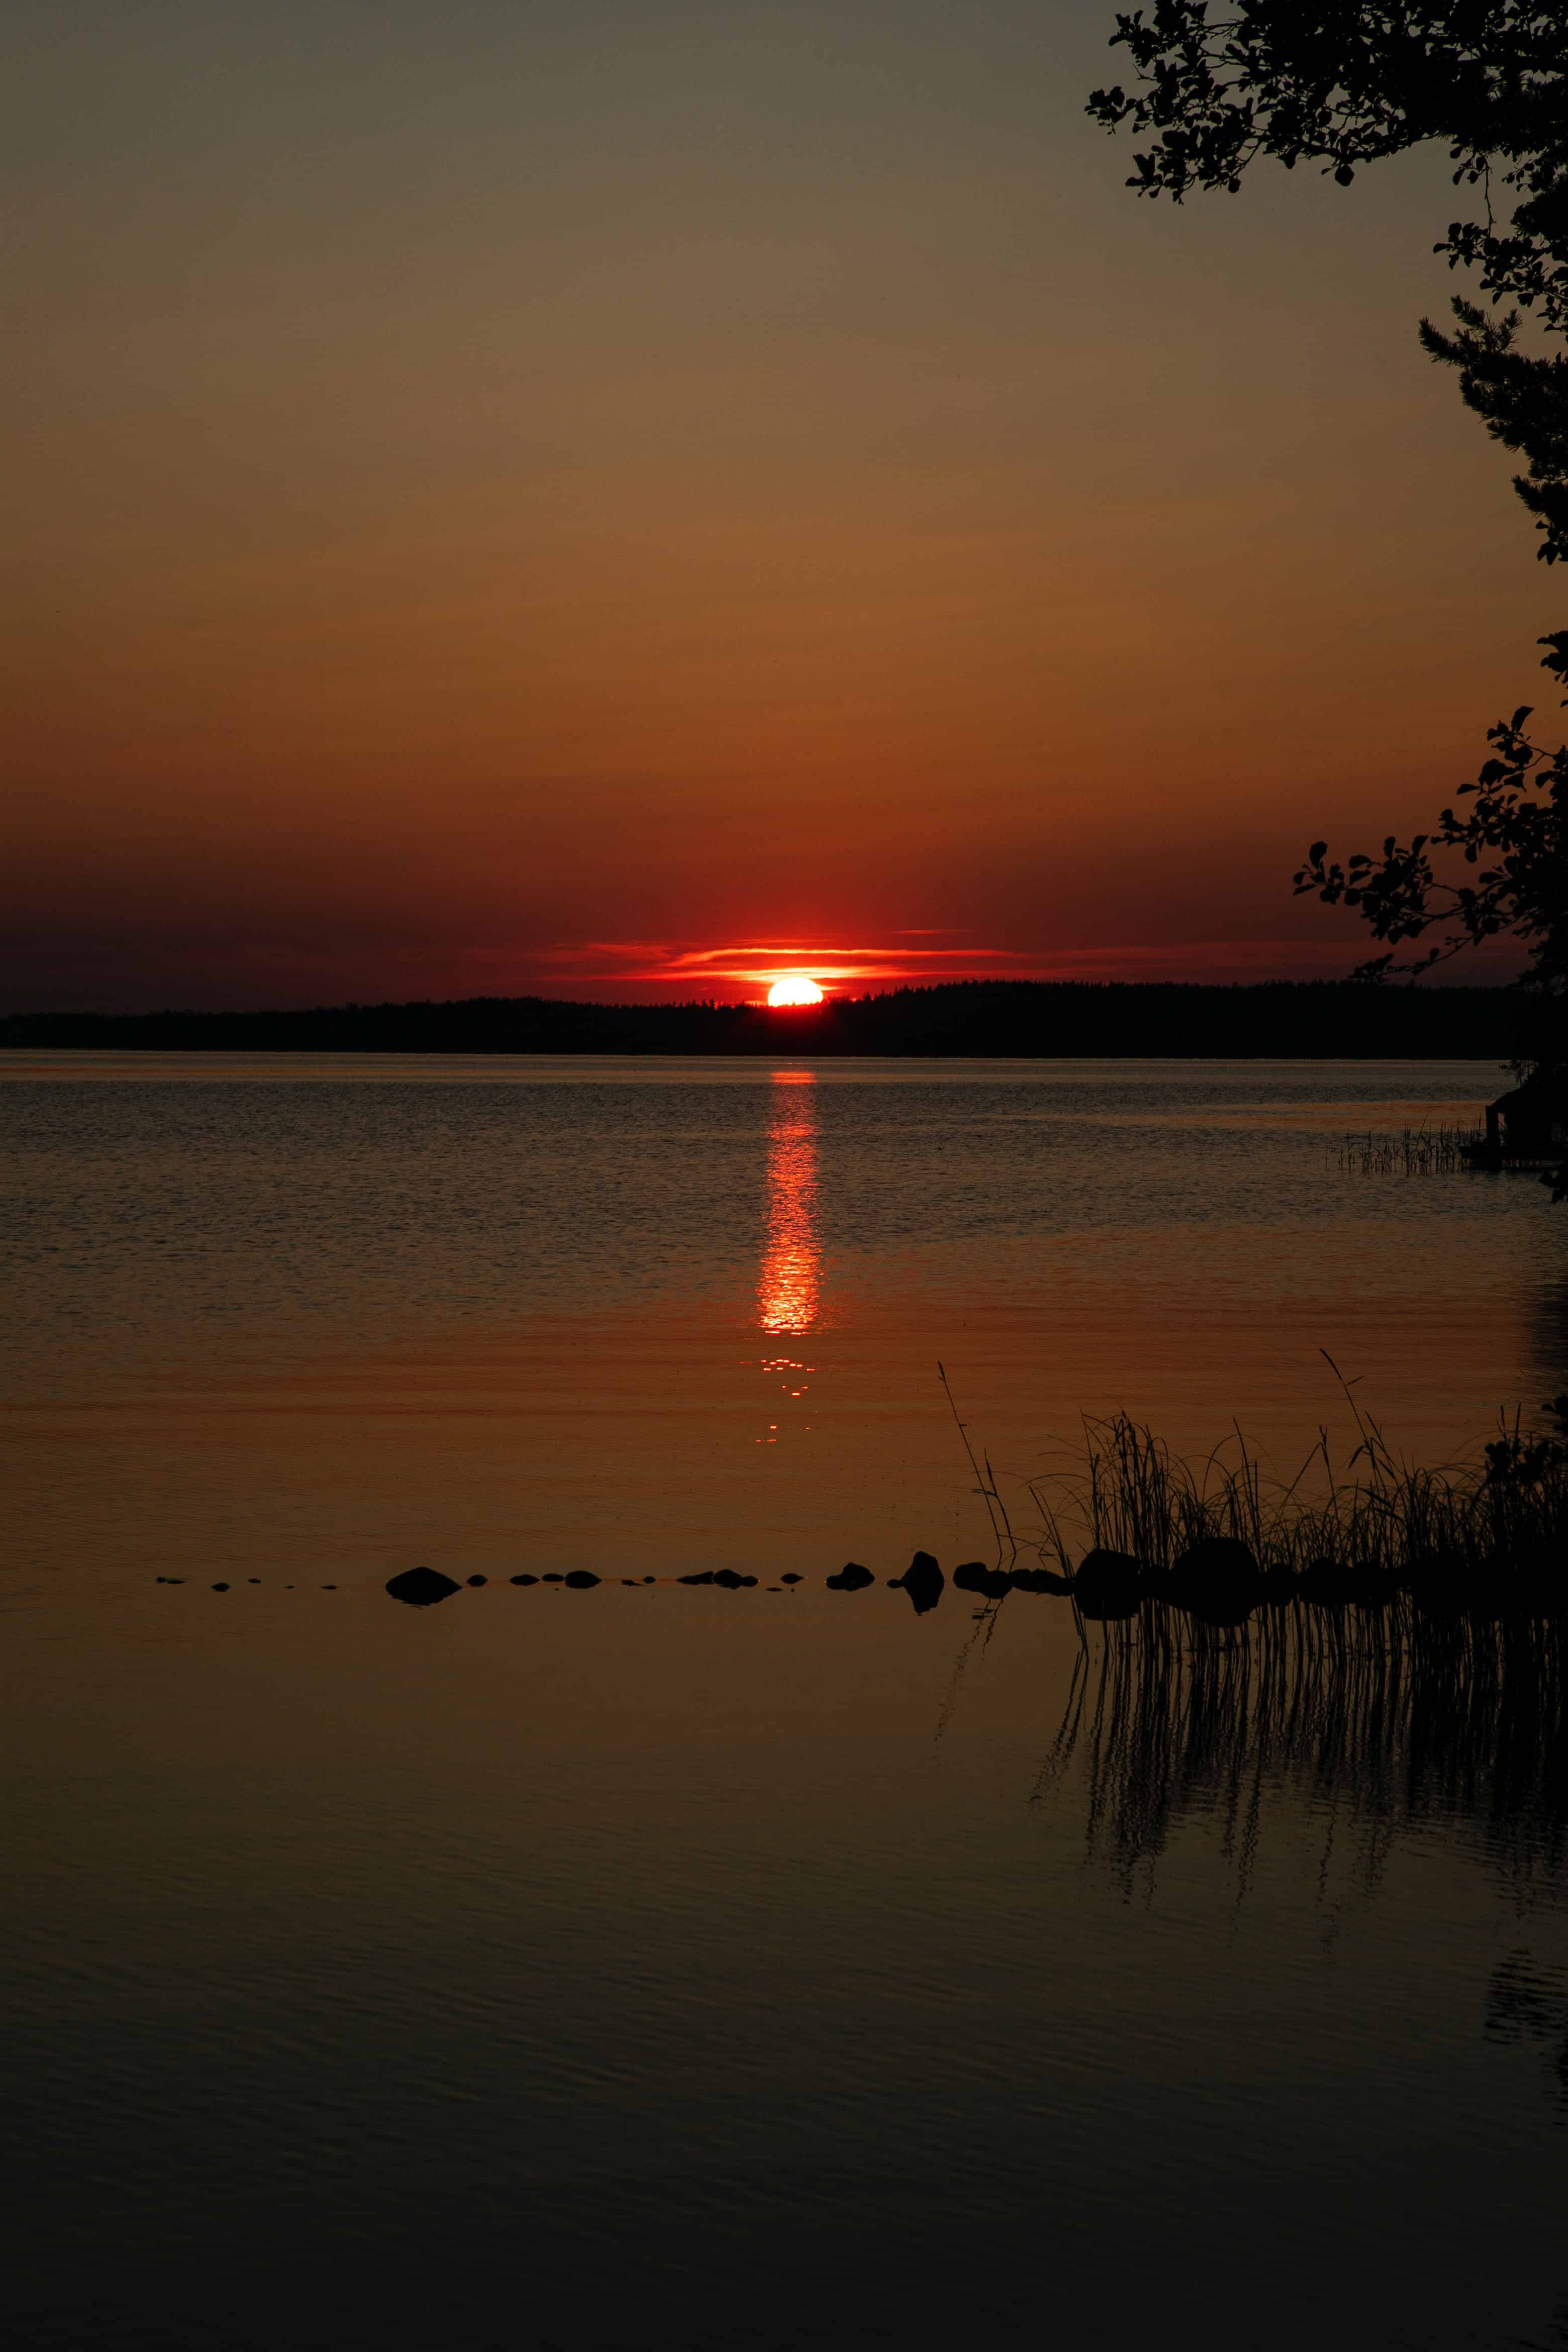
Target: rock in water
1109,1585
582,1580
1218,1579
731,1579
851,1578
1326,1584
924,1582
420,1586
1039,1580
706,1577
974,1576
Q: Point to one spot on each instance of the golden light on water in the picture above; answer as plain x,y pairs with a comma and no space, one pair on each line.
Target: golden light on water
795,988
788,1286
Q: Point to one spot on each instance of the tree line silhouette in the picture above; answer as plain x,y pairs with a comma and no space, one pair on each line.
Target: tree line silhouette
1317,1019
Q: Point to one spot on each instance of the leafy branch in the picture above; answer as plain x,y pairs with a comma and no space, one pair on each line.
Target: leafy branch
1517,820
1347,84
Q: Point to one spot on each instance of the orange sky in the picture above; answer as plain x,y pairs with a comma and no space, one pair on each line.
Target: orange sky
584,500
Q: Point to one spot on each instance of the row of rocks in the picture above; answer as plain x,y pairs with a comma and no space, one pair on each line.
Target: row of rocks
923,1581
419,1587
221,1585
1218,1579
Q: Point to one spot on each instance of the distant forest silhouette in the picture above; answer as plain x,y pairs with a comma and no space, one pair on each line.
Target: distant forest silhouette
1312,1019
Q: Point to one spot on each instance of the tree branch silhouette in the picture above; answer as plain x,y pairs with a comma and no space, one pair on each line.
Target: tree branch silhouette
1343,84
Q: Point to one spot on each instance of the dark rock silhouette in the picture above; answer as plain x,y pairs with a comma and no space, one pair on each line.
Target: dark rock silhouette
1040,1579
552,1576
851,1578
220,1588
731,1579
1326,1584
525,1580
582,1580
705,1578
1441,1586
792,1579
479,1580
974,1576
924,1582
1109,1585
1216,1579
1225,1614
420,1586
650,1580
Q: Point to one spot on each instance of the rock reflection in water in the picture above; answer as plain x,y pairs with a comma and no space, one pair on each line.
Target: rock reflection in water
1461,1725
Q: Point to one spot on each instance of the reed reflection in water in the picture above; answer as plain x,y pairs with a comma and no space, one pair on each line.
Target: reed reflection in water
789,1285
1460,1727
1456,1733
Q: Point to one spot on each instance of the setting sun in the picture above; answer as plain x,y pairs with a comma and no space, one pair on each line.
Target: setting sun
795,988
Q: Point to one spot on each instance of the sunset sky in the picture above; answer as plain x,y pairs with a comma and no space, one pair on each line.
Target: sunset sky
615,501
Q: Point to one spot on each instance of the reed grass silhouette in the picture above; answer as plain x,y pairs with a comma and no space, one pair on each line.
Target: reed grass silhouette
1382,1541
1400,1660
1414,1152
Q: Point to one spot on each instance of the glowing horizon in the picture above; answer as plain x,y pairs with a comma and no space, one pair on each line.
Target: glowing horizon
745,970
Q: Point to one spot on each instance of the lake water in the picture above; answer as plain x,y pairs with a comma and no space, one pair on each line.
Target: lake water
660,1964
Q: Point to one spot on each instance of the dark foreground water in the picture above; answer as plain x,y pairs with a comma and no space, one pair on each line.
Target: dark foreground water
659,1965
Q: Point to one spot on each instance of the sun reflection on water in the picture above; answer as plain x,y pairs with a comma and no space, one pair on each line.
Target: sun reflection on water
788,1288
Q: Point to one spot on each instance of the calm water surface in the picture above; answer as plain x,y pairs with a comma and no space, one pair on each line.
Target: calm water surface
665,1965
